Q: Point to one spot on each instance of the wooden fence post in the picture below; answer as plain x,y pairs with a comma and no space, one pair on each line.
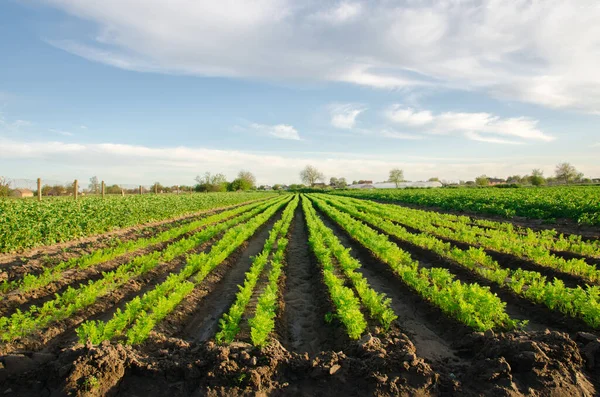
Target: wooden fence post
103,189
140,189
39,181
156,188
75,188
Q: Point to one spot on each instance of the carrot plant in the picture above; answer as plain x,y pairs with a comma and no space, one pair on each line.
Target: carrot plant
470,304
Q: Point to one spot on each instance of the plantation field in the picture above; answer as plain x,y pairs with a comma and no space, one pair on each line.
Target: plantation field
304,294
579,204
29,223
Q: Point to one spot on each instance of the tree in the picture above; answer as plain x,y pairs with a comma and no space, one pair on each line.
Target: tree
94,185
113,189
310,175
333,181
4,187
396,176
566,172
354,182
277,186
248,180
537,177
244,181
434,179
482,180
341,183
211,183
514,179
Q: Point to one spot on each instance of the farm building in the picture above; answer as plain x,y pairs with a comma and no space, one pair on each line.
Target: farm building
390,185
21,193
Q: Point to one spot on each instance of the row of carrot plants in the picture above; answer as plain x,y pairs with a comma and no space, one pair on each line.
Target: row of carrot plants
496,241
471,304
31,282
64,305
574,302
330,249
230,322
346,304
134,323
548,240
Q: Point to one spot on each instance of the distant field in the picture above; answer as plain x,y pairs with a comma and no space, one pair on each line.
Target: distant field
578,203
27,223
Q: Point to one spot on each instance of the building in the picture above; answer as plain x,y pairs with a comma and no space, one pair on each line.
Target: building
496,181
21,193
391,185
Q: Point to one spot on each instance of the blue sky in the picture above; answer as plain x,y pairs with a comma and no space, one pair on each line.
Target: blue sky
170,90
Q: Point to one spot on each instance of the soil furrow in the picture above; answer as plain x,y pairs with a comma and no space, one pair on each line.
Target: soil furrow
220,287
415,317
304,295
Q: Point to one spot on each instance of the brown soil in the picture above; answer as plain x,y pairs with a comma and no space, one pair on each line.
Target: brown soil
302,324
423,354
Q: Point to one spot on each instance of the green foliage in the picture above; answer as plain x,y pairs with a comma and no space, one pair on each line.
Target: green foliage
470,304
30,282
142,314
578,203
574,302
29,223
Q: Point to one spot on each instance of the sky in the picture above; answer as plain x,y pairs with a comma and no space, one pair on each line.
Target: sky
138,91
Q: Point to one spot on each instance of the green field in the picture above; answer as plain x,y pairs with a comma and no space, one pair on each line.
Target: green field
578,203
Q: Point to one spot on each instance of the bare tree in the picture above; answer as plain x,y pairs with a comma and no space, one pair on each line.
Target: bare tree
396,176
310,175
566,172
94,184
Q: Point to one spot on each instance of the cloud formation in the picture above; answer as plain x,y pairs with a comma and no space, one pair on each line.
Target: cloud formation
542,52
344,116
484,127
123,163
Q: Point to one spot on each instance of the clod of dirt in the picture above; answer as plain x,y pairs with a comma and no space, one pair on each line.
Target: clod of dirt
516,363
98,369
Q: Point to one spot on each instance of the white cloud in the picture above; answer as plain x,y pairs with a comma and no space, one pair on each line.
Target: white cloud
340,13
83,127
122,163
281,131
475,126
543,52
408,116
344,116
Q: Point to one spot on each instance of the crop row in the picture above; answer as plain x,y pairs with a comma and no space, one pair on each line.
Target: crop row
549,239
230,322
470,304
29,223
579,203
346,304
494,240
30,282
72,300
574,302
141,314
330,252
